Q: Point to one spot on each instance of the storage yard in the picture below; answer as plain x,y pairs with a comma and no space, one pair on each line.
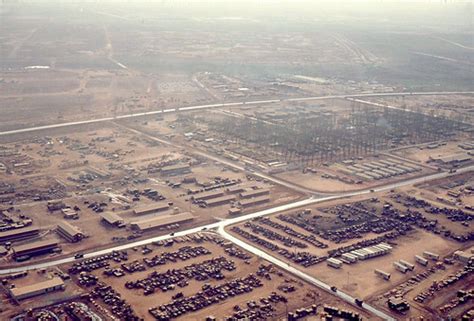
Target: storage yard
334,147
131,180
112,185
206,271
455,106
451,154
368,247
240,161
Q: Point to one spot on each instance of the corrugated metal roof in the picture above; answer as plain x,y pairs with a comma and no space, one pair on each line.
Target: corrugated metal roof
261,191
226,198
69,229
162,221
255,200
10,233
208,195
111,218
36,287
175,167
34,245
148,208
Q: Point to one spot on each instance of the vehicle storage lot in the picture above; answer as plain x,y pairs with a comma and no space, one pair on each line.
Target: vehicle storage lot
307,237
193,254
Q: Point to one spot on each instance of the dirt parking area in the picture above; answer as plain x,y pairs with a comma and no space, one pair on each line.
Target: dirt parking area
218,262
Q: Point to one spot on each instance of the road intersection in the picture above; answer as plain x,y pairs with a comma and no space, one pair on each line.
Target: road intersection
220,227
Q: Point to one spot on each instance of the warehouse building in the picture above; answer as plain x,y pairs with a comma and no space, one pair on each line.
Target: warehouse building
174,170
112,219
254,201
34,248
161,221
36,289
220,200
453,160
18,234
235,189
207,195
380,169
69,232
151,208
255,193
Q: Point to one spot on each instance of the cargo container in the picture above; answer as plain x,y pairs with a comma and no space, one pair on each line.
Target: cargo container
385,245
349,257
359,254
410,266
345,260
400,267
370,252
380,249
421,260
334,263
383,274
431,256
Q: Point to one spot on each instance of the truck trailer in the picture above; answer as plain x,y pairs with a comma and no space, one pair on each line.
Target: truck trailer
400,267
421,260
383,274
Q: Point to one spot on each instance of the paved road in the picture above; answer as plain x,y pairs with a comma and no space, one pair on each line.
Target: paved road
309,201
220,105
302,275
164,237
220,227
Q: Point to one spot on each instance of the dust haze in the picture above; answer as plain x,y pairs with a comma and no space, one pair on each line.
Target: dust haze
236,160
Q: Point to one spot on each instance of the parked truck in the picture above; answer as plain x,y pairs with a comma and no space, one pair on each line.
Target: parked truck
400,267
383,274
334,263
410,266
421,260
431,256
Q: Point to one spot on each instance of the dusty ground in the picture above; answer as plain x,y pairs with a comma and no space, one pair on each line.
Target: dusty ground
423,154
304,295
122,155
359,279
10,308
454,106
331,179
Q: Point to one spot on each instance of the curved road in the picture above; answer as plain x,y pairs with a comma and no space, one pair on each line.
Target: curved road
220,227
304,276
